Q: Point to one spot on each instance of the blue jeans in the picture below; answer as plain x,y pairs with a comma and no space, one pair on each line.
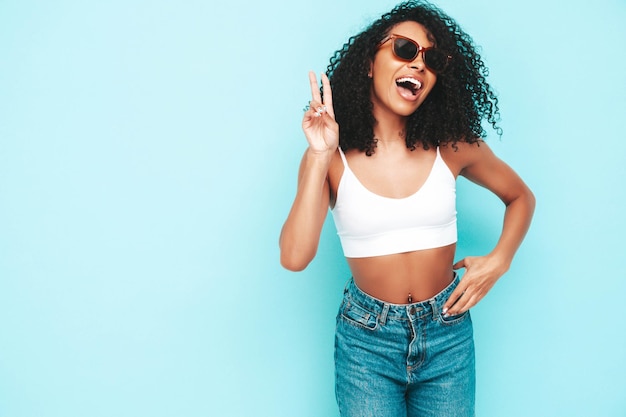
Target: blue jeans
403,360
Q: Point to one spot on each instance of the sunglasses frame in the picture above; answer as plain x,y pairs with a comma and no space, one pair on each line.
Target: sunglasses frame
420,48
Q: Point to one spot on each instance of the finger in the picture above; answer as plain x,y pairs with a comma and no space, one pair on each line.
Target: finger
460,264
328,95
315,109
315,89
466,302
454,298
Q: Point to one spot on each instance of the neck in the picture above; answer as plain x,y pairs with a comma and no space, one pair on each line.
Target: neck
390,127
388,134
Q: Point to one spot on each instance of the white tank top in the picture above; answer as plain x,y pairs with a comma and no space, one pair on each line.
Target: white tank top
372,225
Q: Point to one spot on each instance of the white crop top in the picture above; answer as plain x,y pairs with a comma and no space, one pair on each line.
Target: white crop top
372,225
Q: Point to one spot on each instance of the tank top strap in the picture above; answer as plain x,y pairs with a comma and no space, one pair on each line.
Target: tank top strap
343,157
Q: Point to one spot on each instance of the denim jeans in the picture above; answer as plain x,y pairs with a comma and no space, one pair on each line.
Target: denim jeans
403,360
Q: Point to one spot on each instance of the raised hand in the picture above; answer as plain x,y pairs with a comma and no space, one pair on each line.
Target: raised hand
319,125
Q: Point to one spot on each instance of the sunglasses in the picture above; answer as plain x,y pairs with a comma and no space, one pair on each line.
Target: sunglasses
406,49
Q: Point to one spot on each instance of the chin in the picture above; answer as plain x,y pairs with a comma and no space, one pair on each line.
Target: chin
406,112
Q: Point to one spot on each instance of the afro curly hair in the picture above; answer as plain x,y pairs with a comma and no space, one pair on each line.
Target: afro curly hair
454,109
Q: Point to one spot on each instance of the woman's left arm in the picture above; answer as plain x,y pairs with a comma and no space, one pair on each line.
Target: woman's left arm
483,167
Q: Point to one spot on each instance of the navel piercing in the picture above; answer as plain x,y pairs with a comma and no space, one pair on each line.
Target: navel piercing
410,299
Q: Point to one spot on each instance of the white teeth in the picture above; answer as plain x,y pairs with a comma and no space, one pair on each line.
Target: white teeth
417,83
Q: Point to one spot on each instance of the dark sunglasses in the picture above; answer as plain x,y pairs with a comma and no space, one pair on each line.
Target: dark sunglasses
406,49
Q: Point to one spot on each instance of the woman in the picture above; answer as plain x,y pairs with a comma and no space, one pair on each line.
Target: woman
402,121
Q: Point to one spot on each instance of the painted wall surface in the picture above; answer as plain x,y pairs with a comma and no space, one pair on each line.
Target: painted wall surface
148,157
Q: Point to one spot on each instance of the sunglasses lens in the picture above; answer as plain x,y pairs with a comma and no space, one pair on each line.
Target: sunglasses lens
404,49
435,59
407,50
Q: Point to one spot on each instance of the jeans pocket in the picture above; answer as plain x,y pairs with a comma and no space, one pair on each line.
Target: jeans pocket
452,320
356,315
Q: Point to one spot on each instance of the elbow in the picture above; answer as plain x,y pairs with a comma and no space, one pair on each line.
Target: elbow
294,261
524,198
293,265
532,201
295,254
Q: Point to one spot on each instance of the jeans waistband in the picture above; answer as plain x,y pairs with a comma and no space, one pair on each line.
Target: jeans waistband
385,310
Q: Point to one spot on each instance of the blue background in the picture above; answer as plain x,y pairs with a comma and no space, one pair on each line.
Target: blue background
148,157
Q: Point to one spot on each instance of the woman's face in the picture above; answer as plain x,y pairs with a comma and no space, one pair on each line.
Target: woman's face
400,87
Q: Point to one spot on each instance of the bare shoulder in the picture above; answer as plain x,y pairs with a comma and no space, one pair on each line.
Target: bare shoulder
478,163
461,155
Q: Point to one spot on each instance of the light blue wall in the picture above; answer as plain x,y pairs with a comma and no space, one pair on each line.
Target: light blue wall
148,155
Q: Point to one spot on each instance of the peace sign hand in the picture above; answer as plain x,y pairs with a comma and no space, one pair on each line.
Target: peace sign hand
319,125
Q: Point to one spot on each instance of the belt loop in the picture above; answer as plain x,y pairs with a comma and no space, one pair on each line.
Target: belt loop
434,308
383,314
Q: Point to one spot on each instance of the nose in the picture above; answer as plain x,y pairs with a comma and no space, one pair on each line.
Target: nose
418,62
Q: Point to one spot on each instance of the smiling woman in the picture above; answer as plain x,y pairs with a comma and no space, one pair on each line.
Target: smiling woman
148,157
397,120
405,49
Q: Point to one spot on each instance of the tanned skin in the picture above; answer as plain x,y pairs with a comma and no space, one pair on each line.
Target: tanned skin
395,171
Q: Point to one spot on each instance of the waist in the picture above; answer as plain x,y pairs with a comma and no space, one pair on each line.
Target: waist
432,305
422,274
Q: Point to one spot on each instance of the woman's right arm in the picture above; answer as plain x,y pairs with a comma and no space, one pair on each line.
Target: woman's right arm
300,235
301,232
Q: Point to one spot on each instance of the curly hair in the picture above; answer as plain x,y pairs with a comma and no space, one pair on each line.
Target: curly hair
455,107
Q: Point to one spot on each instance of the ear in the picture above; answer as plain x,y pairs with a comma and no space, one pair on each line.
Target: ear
369,72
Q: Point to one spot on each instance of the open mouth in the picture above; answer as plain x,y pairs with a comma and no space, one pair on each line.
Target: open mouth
410,85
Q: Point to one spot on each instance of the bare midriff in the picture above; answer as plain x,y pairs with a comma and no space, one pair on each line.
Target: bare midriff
419,275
